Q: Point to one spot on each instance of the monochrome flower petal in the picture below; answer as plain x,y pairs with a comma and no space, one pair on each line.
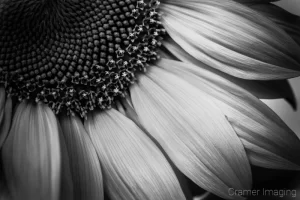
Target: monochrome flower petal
66,189
284,19
265,136
84,162
232,38
272,89
255,1
193,132
31,154
133,167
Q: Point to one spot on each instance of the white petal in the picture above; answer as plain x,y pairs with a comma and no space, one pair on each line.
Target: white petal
253,121
272,89
125,107
84,162
203,196
232,38
255,1
193,132
239,1
133,167
262,157
31,154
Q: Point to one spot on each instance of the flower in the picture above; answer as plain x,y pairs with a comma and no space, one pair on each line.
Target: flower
129,99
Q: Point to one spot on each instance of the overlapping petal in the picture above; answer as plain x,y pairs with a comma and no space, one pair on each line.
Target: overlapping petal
232,38
133,167
84,162
269,142
272,89
286,20
255,1
192,130
31,154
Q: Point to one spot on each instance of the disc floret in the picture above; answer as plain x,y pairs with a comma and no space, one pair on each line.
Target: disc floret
87,64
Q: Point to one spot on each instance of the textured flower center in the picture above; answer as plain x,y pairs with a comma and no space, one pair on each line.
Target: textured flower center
76,55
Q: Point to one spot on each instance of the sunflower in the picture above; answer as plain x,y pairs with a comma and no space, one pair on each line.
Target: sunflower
130,99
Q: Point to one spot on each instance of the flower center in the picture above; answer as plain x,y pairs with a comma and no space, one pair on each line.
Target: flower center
76,55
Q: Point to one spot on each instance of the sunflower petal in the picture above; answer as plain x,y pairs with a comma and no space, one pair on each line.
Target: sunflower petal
286,20
205,196
85,166
255,1
2,103
192,130
31,154
125,107
261,89
6,121
261,130
66,189
133,166
232,38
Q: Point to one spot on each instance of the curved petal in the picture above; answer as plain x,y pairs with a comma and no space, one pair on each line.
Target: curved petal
286,20
232,38
125,107
6,121
133,167
272,89
268,141
205,196
255,1
84,163
31,154
192,130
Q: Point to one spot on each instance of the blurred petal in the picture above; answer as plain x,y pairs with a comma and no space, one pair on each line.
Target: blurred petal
261,89
85,166
193,132
133,166
4,194
6,121
286,20
205,196
31,154
267,139
2,102
255,1
232,38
